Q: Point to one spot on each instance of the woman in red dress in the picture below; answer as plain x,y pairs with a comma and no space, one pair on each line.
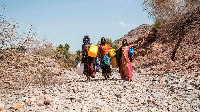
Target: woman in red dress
125,67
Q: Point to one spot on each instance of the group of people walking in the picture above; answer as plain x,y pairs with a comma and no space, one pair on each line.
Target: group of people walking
122,56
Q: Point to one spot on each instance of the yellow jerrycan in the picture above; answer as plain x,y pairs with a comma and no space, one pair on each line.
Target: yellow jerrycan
114,62
111,53
93,51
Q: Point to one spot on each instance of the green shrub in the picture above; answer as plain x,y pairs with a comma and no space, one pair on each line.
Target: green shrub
157,25
64,50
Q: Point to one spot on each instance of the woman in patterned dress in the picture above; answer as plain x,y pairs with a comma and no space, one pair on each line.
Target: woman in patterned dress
89,67
105,60
125,67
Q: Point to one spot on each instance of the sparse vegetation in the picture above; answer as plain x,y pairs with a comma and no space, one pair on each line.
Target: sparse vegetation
78,55
157,26
25,60
167,9
64,50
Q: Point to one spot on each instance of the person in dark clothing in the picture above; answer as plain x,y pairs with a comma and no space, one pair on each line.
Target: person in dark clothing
89,67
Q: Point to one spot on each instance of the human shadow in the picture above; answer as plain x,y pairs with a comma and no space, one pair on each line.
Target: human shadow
93,80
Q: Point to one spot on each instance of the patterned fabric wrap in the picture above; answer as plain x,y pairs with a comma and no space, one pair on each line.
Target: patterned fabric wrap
105,60
88,61
105,65
125,67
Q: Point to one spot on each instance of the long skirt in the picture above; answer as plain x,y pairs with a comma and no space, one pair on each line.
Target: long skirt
105,65
89,67
125,67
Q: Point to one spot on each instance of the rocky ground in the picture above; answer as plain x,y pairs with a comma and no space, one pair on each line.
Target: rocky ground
152,92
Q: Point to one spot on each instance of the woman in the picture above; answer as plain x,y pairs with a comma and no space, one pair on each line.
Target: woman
105,60
89,68
125,67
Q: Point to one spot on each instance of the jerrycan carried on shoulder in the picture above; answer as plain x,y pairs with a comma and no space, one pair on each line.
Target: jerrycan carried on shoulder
111,53
131,52
93,51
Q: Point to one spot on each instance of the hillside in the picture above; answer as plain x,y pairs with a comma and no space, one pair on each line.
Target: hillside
134,34
175,48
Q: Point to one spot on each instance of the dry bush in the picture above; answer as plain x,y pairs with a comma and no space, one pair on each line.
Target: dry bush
25,60
11,39
17,70
179,26
167,9
45,49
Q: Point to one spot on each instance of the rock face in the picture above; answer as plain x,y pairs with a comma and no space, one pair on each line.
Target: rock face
167,92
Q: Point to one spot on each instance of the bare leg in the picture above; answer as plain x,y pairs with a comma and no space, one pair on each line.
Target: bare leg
88,78
105,77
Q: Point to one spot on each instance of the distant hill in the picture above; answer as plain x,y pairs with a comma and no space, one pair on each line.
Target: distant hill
135,34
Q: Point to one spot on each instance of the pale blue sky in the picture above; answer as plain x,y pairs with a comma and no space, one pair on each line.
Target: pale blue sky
67,21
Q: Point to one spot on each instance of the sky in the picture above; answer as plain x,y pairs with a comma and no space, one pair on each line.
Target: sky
67,21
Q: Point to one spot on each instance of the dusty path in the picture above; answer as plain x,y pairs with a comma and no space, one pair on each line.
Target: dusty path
169,92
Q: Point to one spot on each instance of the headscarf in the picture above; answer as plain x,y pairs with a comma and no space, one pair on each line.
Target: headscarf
126,44
86,36
102,39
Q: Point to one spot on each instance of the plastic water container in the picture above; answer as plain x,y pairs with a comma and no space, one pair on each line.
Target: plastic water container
93,51
131,51
111,53
80,68
114,62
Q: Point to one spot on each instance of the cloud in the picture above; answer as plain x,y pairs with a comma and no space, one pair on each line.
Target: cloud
125,1
130,2
124,25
